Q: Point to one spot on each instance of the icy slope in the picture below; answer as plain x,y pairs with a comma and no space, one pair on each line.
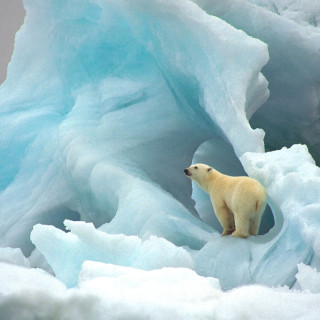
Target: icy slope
106,102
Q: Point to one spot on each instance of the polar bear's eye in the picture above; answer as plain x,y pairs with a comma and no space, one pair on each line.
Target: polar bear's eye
196,167
209,170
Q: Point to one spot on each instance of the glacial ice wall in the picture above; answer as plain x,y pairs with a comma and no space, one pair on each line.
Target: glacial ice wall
106,102
290,28
125,102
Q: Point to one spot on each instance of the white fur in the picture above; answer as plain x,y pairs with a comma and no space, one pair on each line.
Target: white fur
238,202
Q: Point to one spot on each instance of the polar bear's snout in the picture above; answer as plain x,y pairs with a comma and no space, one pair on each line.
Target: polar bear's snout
187,172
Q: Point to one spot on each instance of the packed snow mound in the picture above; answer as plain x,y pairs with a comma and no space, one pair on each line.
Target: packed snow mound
105,103
128,293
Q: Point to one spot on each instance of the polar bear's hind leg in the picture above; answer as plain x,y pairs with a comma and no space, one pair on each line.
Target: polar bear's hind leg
242,226
254,224
226,219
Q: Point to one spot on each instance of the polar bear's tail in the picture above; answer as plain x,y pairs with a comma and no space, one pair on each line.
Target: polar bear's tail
258,205
261,199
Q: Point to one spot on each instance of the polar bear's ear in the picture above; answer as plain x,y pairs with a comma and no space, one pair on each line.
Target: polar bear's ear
209,169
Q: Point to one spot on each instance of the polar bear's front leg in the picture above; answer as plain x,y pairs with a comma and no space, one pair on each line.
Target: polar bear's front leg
225,217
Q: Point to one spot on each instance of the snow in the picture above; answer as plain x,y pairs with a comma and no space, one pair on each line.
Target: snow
14,256
308,278
128,293
105,103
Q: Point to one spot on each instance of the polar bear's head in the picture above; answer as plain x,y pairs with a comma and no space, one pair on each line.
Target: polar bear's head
200,173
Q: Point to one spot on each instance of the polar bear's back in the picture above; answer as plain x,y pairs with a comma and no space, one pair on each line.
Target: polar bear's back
244,194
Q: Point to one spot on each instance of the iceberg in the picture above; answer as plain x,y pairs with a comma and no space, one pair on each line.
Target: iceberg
105,103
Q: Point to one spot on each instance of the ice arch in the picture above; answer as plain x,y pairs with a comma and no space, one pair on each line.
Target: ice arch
97,123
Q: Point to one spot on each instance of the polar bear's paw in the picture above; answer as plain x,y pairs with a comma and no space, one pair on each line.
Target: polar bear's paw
227,232
239,235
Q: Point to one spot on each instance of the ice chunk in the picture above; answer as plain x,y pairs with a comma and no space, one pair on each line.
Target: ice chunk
292,181
13,256
308,278
66,252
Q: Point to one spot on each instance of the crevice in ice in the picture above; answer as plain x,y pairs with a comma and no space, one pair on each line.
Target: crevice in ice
57,216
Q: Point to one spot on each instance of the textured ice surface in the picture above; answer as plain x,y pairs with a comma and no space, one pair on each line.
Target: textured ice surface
105,103
84,242
308,278
290,28
106,137
306,12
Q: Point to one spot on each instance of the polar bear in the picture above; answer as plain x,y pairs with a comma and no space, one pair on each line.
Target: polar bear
238,202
